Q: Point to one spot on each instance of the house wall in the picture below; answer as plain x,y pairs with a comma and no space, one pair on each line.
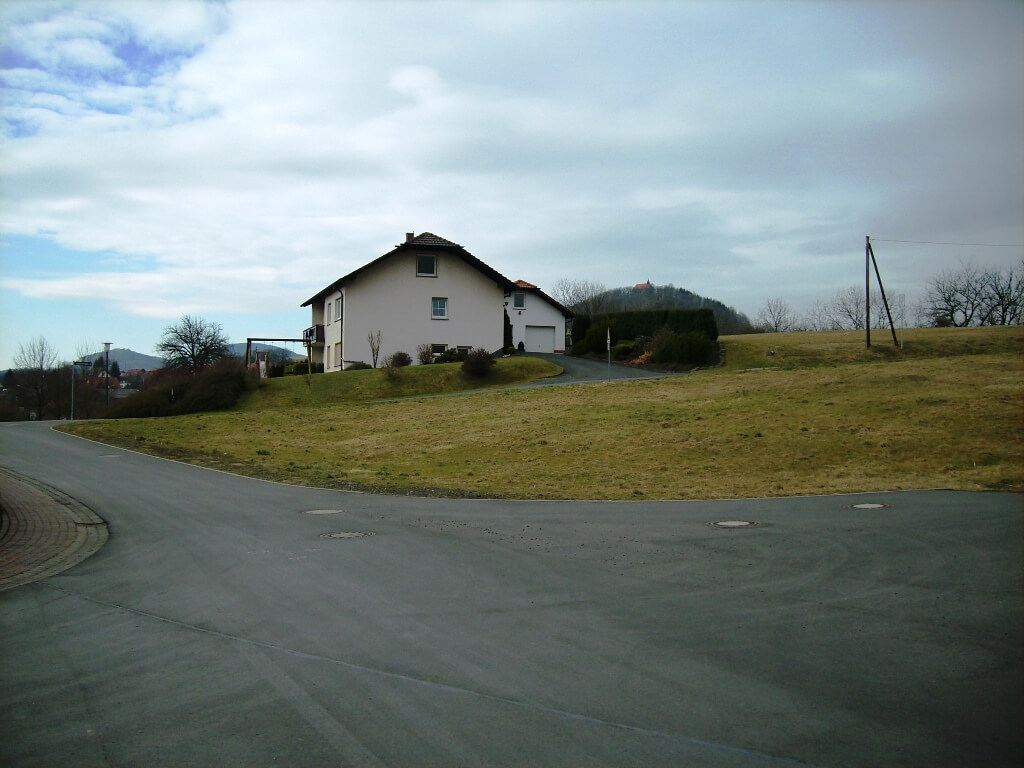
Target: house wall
332,332
536,312
317,318
391,298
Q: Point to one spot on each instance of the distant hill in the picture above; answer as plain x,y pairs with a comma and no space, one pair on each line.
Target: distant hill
238,350
128,359
648,296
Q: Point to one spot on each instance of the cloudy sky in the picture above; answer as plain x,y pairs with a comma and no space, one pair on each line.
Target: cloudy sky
229,159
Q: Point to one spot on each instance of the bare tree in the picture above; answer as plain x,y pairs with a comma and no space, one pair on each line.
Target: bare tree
374,338
956,298
36,355
818,317
848,309
35,361
192,343
584,297
1003,296
775,316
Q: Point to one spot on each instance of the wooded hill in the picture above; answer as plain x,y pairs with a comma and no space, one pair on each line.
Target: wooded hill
649,297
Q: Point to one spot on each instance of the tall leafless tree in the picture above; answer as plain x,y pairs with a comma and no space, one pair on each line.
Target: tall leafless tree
848,308
775,316
1003,296
818,317
956,298
584,297
37,355
34,362
192,343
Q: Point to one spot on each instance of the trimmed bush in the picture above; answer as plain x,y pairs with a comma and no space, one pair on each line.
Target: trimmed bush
478,364
301,368
358,365
451,355
623,350
398,360
692,348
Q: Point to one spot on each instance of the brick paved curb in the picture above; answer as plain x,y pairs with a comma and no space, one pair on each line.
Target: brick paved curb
43,532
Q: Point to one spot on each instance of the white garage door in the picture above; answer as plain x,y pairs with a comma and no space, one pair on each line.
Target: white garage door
540,338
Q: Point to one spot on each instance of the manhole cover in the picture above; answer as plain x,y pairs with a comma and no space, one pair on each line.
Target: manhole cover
869,506
346,534
324,512
733,524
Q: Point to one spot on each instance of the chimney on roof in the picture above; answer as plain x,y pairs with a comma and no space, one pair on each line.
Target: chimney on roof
409,236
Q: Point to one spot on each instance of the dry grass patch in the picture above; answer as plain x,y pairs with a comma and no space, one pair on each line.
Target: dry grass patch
843,427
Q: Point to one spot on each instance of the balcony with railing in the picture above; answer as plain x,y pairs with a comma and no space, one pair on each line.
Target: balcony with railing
313,336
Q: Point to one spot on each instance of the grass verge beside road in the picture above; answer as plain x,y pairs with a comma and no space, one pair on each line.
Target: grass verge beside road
789,414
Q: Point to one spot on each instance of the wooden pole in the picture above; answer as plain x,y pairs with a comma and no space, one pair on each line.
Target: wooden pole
867,288
885,301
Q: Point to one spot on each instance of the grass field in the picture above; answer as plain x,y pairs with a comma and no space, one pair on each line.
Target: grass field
788,414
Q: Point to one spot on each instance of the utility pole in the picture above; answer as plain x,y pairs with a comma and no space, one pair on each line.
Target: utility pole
106,370
867,288
74,372
869,260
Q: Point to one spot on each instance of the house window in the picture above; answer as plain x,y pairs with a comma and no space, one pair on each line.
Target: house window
339,304
328,360
464,350
426,265
439,308
328,313
438,349
337,355
518,301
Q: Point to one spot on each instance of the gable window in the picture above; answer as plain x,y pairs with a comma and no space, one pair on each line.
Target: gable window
439,308
426,265
518,301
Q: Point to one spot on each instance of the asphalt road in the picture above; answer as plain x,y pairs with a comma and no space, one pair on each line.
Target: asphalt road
218,627
576,370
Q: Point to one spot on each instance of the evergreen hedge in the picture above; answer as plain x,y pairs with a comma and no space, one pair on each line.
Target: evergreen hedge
590,334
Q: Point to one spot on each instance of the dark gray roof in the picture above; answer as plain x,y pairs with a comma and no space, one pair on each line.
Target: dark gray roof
429,238
425,241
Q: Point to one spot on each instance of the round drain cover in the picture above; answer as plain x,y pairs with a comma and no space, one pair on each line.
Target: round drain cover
733,524
869,506
346,534
324,512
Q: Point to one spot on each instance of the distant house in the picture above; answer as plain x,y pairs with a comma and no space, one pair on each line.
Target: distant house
648,286
538,321
427,290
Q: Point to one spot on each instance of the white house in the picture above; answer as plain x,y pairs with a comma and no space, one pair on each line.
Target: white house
427,290
538,321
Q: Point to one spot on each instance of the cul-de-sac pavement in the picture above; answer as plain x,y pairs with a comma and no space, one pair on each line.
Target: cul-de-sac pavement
158,614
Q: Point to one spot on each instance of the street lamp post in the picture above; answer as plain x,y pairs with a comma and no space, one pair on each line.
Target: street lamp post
73,373
106,370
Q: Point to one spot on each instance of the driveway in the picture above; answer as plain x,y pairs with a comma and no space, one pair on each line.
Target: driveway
583,369
233,622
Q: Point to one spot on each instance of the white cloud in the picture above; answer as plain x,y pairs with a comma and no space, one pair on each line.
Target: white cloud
709,144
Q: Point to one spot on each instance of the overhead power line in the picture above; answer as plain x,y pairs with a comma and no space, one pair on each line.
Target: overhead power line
930,242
